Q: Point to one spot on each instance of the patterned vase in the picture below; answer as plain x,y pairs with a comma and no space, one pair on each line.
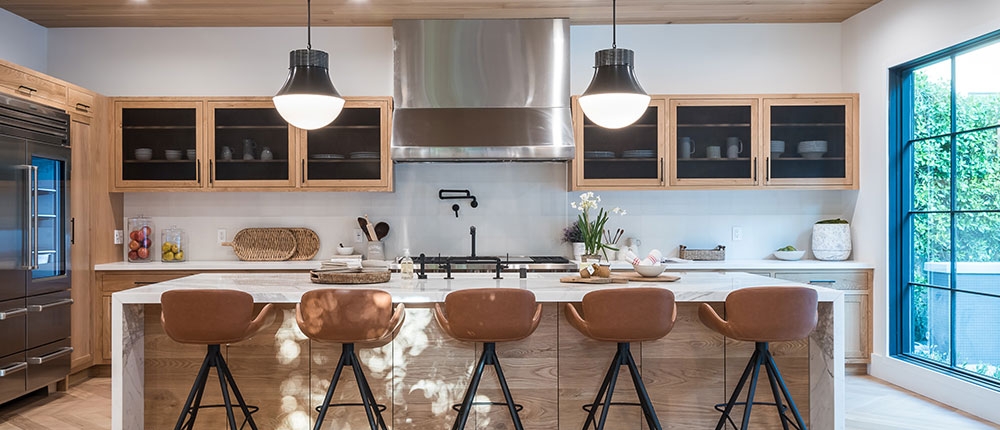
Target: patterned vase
831,242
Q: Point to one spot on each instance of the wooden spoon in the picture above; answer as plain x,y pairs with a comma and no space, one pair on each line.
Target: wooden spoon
381,230
363,223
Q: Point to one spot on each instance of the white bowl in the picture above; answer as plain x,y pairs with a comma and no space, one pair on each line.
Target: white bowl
812,146
651,271
789,255
777,146
347,250
144,154
191,154
172,154
812,155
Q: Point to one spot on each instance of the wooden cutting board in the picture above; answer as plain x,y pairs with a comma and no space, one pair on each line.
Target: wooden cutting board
592,280
635,277
263,244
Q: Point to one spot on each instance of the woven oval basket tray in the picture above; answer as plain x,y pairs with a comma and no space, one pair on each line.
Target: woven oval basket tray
306,244
263,244
349,278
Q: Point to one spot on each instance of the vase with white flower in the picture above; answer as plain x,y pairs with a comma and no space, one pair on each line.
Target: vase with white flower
592,227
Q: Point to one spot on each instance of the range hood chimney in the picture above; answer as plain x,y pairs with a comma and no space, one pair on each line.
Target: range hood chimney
481,90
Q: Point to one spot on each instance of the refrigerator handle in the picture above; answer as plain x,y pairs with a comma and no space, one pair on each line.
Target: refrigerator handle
34,197
26,250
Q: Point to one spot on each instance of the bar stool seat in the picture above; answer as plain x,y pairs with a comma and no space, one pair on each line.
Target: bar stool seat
623,315
349,317
488,315
212,318
762,315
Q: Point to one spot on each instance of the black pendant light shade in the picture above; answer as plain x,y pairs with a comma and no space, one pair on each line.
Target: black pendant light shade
614,73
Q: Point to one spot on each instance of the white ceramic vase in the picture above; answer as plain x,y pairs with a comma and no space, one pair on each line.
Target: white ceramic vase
579,248
831,242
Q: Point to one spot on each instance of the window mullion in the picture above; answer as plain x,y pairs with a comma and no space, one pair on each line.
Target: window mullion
953,273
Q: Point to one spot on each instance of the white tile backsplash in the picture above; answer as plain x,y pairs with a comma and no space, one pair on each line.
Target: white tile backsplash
522,210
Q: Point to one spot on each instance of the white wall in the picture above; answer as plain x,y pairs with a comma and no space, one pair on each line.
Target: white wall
524,206
888,34
23,42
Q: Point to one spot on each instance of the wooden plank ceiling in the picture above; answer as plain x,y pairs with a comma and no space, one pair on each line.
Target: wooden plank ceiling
280,13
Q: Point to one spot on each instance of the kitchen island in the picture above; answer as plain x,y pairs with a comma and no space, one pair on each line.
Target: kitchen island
422,372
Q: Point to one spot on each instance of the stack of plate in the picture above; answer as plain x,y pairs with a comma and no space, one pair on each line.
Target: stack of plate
327,157
172,154
598,154
777,148
144,154
365,155
639,153
191,154
812,149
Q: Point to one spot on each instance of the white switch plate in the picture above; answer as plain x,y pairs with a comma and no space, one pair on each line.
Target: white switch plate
737,234
357,235
220,236
119,237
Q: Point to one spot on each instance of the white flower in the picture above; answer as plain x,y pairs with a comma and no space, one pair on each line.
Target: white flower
623,212
573,205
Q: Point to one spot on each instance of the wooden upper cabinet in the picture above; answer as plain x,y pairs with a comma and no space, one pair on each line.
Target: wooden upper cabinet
630,157
30,85
712,142
159,145
81,102
352,153
811,141
249,145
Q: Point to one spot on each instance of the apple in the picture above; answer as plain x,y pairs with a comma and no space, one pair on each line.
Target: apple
134,235
146,242
146,231
143,253
133,245
132,255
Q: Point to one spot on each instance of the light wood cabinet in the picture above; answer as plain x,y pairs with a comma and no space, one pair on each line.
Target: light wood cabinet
631,157
712,142
147,132
352,152
31,85
249,146
810,141
81,103
81,141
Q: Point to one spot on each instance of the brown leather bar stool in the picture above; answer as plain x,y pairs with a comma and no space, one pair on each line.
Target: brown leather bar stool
762,315
348,317
213,318
624,315
488,315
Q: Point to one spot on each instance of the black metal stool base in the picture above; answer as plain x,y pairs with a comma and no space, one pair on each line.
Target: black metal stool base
213,358
372,409
623,357
488,357
761,357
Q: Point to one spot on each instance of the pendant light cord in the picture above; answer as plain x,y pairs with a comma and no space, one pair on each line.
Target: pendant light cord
614,24
309,31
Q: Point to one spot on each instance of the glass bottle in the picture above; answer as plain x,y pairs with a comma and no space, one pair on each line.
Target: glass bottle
173,244
406,265
139,240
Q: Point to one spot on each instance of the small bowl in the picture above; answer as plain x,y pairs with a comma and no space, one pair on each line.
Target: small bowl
144,154
172,154
789,255
191,154
346,250
651,271
777,146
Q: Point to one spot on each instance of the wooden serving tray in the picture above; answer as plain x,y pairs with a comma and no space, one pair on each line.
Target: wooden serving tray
635,277
349,278
593,280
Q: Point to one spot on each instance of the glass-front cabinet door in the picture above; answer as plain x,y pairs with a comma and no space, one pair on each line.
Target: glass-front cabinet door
810,141
629,157
713,142
157,144
250,145
352,152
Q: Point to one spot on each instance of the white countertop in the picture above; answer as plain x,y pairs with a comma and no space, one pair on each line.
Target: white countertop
730,265
289,287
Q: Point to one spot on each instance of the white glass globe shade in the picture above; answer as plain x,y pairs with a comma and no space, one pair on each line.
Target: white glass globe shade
308,111
614,110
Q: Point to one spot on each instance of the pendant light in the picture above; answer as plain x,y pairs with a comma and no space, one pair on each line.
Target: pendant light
614,98
308,99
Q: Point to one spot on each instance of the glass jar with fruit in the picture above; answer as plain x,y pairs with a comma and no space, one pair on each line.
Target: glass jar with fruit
140,239
173,240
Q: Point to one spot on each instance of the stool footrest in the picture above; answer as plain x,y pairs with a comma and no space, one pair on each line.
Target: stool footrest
253,409
721,407
457,407
590,406
381,407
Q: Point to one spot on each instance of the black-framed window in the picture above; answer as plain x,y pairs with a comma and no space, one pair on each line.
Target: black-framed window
945,211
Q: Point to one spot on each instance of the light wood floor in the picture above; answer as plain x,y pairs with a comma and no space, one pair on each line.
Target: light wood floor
871,405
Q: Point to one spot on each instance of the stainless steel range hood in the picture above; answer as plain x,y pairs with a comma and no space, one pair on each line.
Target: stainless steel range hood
481,90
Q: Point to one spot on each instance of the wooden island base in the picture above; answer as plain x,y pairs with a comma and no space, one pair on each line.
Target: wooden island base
423,372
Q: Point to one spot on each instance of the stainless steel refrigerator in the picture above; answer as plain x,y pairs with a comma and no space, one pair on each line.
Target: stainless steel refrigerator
35,236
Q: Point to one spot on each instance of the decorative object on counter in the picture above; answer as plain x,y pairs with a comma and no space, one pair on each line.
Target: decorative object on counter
649,271
308,99
140,239
364,224
716,254
592,229
652,259
381,230
614,98
406,265
686,148
306,244
263,244
595,270
226,154
173,241
592,280
612,241
462,194
370,272
635,277
345,250
249,149
266,154
831,240
376,250
788,253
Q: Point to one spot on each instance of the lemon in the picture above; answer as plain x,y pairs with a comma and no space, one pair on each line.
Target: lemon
179,256
174,248
166,246
168,256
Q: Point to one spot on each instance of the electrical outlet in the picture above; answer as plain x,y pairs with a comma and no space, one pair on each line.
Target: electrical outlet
119,237
220,236
737,233
357,235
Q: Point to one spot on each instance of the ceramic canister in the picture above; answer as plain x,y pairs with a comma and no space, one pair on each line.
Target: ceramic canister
831,242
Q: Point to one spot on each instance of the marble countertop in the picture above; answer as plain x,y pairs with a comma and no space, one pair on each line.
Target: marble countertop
740,265
289,287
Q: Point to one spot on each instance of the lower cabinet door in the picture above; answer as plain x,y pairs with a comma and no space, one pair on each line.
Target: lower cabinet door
48,364
12,374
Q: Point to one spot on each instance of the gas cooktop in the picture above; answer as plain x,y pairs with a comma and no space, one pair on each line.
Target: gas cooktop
483,263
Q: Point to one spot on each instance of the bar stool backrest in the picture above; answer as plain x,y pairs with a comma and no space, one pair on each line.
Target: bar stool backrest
206,317
346,315
489,314
771,314
629,314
